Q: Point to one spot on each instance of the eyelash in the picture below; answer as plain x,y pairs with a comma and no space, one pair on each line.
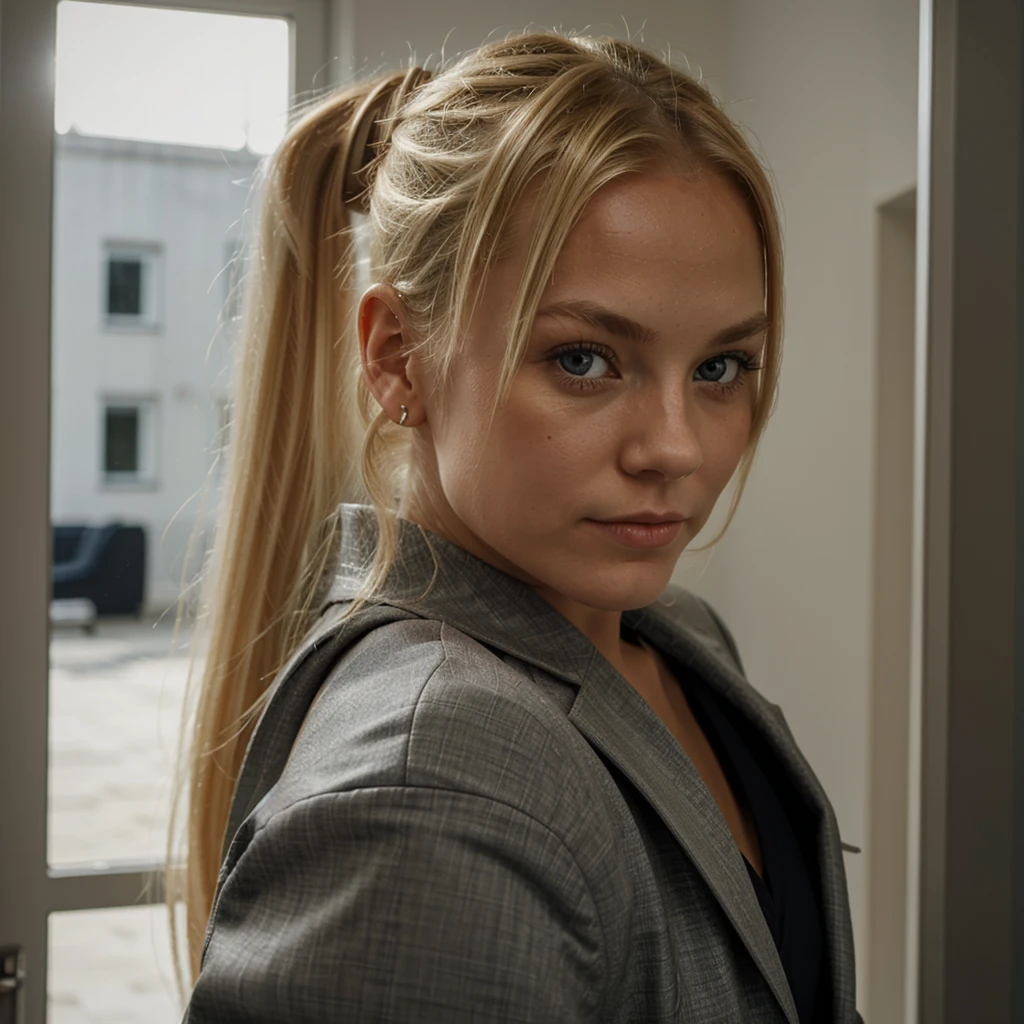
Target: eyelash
746,363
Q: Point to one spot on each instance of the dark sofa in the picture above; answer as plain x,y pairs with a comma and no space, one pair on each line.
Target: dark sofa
106,564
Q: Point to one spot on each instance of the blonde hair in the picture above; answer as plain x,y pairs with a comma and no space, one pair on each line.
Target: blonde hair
450,158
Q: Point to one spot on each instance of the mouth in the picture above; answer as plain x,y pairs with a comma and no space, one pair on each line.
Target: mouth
638,534
647,517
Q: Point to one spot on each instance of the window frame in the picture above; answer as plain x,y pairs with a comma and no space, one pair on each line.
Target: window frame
147,477
30,888
150,318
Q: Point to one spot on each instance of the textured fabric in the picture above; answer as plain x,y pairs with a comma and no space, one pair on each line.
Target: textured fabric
454,810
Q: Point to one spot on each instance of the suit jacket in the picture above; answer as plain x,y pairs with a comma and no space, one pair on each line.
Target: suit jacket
454,809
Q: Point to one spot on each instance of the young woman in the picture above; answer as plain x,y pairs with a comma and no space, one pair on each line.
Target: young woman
503,769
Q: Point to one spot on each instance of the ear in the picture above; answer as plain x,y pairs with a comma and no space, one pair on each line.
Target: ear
384,343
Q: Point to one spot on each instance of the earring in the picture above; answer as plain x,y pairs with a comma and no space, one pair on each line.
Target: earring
405,413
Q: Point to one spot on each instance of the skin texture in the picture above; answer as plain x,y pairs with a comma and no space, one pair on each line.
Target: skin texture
654,428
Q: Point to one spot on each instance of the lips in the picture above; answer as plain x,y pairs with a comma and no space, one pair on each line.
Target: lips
652,518
638,534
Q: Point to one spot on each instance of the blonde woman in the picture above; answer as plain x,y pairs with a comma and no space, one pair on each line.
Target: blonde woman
461,751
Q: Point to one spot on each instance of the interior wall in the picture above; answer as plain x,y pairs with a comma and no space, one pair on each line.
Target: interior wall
374,36
829,92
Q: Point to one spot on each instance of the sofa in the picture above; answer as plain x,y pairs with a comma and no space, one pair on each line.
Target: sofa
106,564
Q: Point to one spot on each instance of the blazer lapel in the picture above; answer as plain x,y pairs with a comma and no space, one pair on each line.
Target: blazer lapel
620,723
686,633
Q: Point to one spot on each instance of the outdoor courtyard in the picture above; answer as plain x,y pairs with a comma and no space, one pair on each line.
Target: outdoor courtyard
115,701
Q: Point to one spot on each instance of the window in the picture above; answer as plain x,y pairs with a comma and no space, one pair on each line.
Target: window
132,293
124,287
121,449
129,441
105,774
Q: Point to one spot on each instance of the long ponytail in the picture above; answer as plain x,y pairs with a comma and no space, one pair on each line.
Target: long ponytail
298,427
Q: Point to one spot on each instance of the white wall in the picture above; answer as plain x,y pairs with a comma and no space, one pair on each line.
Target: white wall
829,92
382,35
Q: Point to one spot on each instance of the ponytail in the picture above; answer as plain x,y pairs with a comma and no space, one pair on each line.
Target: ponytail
298,428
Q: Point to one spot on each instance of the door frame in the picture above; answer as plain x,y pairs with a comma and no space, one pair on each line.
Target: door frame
889,763
968,726
29,889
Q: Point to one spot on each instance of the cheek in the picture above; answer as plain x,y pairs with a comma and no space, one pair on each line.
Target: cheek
458,439
539,458
724,447
535,461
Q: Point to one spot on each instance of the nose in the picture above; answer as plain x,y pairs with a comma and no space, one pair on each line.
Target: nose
662,437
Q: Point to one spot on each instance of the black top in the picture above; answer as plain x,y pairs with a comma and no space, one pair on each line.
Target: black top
789,895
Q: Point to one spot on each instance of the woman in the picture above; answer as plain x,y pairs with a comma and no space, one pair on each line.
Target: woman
504,770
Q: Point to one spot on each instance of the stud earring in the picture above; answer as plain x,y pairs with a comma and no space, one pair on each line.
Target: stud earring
405,414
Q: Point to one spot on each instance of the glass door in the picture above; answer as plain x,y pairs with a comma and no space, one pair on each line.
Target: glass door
131,136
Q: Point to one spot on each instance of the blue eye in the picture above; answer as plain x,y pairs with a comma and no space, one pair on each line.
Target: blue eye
727,372
720,371
584,365
579,362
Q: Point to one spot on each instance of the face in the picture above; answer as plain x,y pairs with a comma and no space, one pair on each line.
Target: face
636,394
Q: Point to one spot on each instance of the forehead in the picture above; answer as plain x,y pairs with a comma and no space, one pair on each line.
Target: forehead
687,228
683,246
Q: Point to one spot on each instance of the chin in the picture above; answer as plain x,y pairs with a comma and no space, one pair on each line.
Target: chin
628,588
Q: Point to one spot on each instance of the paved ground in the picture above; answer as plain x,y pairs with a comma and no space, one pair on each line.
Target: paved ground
115,700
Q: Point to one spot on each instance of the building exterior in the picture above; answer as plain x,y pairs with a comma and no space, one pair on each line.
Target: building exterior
144,294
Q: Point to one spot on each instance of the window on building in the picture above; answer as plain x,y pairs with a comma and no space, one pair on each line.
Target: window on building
129,441
124,287
121,445
132,294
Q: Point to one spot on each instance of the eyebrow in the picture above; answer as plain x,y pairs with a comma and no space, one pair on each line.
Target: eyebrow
595,315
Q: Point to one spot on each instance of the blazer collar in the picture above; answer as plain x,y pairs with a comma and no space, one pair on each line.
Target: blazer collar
502,612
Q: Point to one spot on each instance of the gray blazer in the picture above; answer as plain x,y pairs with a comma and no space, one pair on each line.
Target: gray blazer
481,820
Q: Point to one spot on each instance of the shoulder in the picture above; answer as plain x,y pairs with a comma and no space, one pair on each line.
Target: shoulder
427,827
417,703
